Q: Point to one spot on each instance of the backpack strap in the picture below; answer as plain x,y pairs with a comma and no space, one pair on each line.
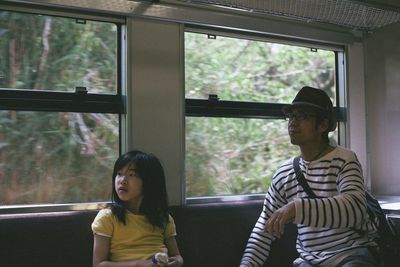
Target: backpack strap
301,179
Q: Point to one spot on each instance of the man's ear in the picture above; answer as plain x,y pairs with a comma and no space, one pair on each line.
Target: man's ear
323,126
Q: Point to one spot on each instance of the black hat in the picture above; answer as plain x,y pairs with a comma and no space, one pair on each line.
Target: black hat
316,99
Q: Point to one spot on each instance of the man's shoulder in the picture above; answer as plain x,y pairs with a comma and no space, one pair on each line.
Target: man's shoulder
286,164
342,149
284,169
344,152
343,156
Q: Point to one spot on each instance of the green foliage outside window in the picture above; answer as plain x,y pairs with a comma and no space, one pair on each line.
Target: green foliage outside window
58,54
63,157
56,157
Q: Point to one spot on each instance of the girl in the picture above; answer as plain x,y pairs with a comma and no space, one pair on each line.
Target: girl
137,225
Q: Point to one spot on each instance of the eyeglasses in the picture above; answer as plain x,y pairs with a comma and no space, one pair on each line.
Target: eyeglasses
299,116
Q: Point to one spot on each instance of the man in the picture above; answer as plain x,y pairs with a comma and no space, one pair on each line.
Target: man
334,228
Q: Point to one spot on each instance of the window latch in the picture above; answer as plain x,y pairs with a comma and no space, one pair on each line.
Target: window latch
81,90
213,98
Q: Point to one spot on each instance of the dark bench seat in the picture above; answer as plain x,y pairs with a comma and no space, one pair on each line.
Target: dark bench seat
208,235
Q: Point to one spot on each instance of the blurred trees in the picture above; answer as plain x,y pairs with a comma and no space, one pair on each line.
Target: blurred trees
61,157
56,157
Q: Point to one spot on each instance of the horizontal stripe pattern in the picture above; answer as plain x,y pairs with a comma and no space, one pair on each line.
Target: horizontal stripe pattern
329,226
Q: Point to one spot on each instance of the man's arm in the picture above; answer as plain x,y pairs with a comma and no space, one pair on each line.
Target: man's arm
275,225
259,243
347,209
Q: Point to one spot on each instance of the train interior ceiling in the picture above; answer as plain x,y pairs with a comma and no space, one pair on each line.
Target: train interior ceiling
367,32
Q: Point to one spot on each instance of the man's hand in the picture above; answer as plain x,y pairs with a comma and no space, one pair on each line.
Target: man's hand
276,223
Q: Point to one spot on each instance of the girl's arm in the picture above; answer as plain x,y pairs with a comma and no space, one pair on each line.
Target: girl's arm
101,248
175,259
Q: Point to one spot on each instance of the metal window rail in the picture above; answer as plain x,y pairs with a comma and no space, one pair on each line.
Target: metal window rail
213,107
35,100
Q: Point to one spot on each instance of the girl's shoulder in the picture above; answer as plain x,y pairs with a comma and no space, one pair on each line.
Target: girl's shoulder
104,213
104,222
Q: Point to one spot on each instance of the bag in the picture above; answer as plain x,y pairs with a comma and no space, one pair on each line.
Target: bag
388,240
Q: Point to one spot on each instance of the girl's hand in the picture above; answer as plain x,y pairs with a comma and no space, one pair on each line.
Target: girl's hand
175,261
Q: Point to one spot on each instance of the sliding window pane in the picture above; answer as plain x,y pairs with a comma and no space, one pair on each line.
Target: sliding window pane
227,156
56,157
55,53
251,70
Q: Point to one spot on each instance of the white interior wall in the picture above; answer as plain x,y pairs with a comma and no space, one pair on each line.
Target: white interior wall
382,81
155,91
356,121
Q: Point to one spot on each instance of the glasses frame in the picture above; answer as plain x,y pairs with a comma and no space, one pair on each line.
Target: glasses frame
299,116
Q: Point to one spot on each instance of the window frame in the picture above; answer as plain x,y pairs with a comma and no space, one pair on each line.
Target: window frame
214,107
79,101
37,100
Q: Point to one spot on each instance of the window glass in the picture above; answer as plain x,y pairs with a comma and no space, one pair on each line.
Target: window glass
248,70
226,156
233,156
48,157
58,54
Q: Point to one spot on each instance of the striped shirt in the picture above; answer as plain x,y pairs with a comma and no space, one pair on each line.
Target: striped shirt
331,226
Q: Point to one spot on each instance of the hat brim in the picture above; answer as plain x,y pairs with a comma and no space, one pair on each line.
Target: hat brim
301,104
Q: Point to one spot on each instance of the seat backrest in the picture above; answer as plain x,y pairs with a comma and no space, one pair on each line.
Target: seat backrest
212,235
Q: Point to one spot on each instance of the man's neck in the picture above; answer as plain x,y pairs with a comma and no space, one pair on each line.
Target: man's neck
315,151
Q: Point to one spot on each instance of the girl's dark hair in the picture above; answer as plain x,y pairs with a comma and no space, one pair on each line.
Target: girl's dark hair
155,200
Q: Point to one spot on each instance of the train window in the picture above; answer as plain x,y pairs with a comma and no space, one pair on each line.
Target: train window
234,90
60,108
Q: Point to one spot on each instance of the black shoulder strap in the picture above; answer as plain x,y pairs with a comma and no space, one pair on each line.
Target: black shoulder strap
300,178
